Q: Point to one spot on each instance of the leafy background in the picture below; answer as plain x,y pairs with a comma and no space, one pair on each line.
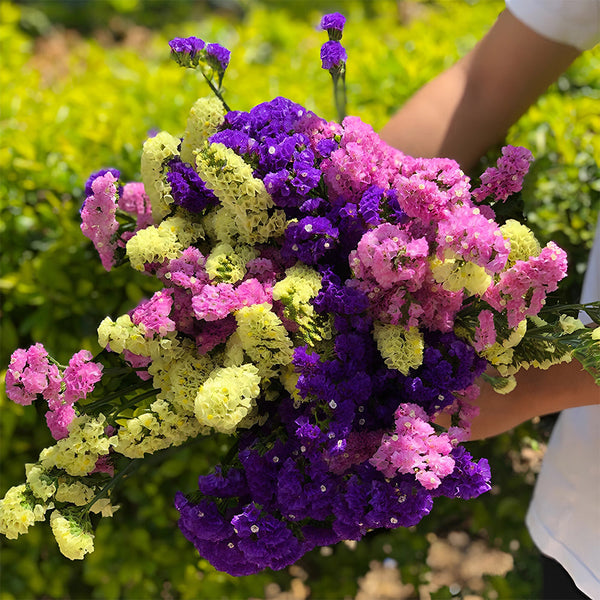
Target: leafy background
83,82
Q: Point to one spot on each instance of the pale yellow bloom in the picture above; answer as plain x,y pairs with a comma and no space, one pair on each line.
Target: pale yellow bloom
456,274
73,540
156,152
400,348
19,510
264,338
523,244
41,485
204,119
227,397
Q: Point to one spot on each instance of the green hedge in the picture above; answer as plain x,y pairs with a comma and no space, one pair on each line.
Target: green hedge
70,106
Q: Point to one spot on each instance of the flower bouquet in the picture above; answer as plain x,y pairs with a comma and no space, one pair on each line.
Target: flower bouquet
325,298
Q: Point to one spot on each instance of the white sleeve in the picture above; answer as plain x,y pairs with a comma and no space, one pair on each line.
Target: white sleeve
572,22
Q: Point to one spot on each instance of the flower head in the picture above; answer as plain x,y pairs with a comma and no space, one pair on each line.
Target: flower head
217,57
333,23
186,51
333,56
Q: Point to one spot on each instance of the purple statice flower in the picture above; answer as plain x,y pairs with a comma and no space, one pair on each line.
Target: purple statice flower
337,298
187,189
217,57
187,51
368,206
309,239
239,141
333,56
333,23
326,146
469,479
266,540
229,484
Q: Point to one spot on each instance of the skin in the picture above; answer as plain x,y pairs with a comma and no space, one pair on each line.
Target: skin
468,108
538,393
461,114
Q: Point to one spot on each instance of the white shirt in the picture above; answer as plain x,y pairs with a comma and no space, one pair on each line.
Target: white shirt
573,22
564,515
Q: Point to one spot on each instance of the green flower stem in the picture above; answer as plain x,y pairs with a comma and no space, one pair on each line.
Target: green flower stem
112,483
135,400
216,92
110,397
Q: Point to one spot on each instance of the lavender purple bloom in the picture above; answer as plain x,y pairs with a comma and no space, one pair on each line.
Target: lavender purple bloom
333,23
333,56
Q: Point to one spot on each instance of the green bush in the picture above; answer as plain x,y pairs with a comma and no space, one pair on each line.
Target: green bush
71,105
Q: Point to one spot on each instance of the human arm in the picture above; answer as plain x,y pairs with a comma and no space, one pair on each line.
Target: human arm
469,107
538,393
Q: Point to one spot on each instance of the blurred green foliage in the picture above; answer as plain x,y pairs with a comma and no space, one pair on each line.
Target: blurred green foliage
71,105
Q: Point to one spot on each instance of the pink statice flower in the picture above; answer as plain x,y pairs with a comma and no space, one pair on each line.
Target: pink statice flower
521,290
187,271
138,362
104,465
507,177
475,238
363,159
153,314
135,201
415,448
80,376
59,419
29,374
388,257
215,302
485,332
437,306
98,222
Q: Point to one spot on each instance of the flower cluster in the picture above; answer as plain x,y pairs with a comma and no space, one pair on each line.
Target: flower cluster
324,298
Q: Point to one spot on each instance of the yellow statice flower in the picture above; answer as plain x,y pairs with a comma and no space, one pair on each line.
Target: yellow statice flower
289,379
77,454
400,348
569,324
296,290
74,492
234,351
228,264
166,241
264,338
73,540
122,334
41,485
183,378
523,244
156,153
501,353
19,510
206,115
227,397
456,274
504,385
243,197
